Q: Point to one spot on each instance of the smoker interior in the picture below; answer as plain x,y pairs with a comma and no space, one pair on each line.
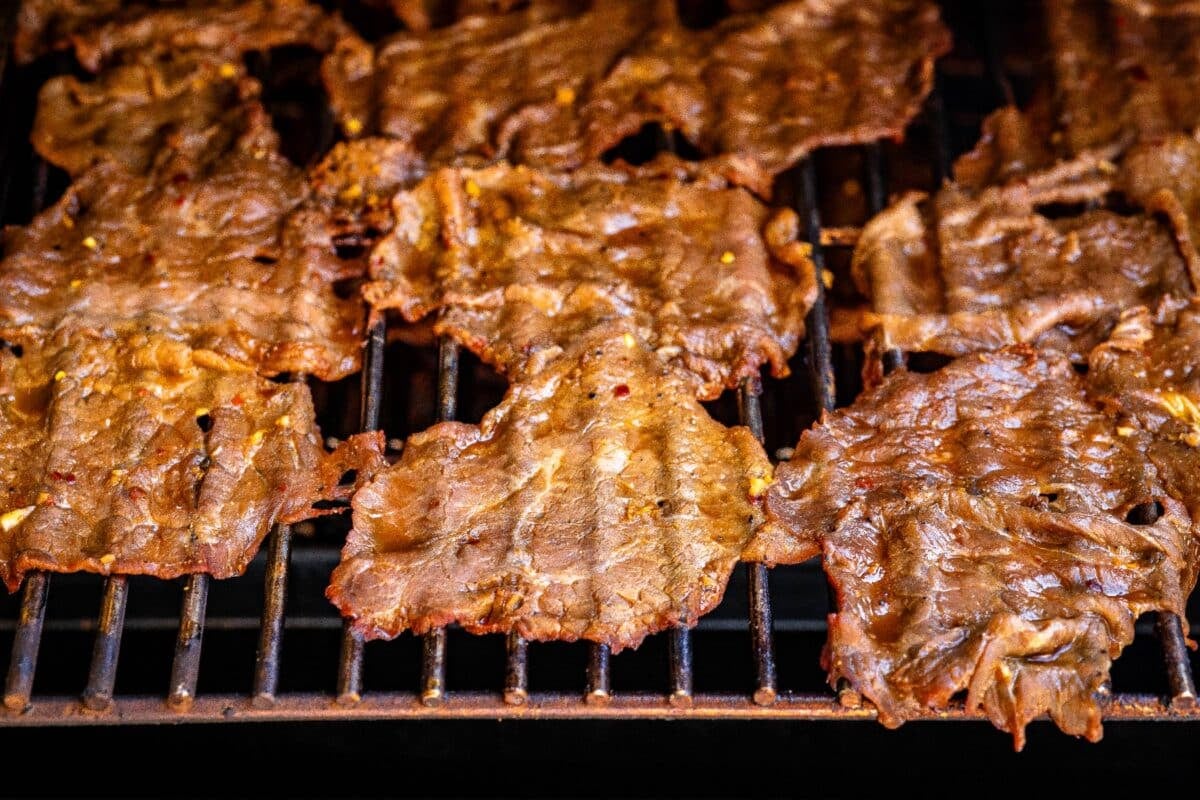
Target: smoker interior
268,647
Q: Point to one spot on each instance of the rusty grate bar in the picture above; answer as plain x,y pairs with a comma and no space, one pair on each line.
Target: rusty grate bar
19,686
516,673
102,674
185,670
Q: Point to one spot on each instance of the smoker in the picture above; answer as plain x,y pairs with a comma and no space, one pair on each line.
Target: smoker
88,651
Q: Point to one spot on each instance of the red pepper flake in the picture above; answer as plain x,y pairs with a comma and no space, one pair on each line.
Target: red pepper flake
179,201
142,391
864,483
137,493
149,258
67,477
621,390
237,400
281,487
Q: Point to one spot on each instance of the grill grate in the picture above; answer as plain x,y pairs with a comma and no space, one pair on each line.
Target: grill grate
592,694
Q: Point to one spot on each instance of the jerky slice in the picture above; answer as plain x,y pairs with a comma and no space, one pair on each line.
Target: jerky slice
555,87
132,113
598,501
985,269
100,30
521,263
137,454
213,250
972,522
1148,376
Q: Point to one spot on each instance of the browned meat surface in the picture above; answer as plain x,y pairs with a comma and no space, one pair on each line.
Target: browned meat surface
353,186
980,270
1148,375
212,250
521,263
553,86
99,30
421,15
597,501
972,522
132,113
134,453
1124,71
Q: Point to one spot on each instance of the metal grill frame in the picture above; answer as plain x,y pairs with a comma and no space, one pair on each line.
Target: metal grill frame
350,700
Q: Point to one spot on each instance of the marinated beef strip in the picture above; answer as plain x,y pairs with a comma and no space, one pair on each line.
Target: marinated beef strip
135,112
598,501
553,86
353,185
219,251
520,263
977,270
139,454
1148,376
973,524
1124,71
98,31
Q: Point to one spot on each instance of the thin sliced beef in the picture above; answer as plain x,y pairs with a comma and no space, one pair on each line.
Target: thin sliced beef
138,454
136,112
1148,376
1018,262
1121,75
213,250
973,524
98,31
520,263
553,86
598,501
353,185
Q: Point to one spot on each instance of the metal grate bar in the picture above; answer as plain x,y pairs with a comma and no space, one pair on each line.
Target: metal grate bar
270,640
761,628
516,673
820,357
102,674
185,670
304,707
943,156
681,667
1175,654
433,646
599,675
350,661
19,686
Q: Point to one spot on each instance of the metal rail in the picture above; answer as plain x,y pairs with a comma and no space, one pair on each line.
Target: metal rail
59,710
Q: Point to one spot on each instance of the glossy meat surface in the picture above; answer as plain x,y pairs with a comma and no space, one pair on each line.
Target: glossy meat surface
138,112
597,501
521,263
978,270
134,453
973,523
556,86
100,30
213,249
